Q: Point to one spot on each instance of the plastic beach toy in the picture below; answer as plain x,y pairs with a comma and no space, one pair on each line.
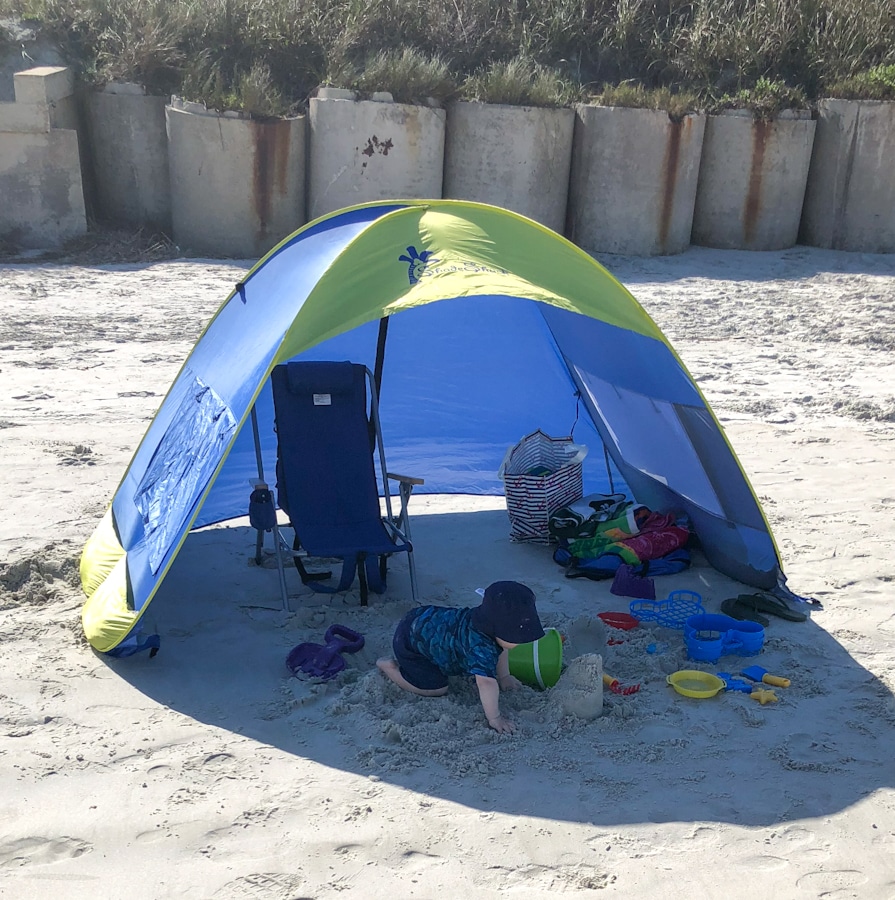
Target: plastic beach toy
624,621
324,661
539,663
763,696
620,689
732,683
709,637
672,612
628,584
692,683
757,673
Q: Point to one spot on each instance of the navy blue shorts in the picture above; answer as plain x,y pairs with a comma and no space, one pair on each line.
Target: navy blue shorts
419,671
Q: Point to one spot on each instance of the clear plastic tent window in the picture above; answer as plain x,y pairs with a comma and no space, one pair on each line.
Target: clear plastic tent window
182,466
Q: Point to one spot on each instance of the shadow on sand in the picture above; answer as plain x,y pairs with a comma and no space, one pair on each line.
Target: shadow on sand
651,757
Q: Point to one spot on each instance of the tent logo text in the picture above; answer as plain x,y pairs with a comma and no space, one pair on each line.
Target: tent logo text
421,263
416,263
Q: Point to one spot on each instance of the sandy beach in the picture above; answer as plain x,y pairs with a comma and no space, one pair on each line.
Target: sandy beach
209,771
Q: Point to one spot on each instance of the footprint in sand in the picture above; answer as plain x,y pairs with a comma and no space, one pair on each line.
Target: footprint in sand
78,455
762,863
266,885
151,837
31,398
40,851
792,836
559,879
210,764
702,838
186,795
804,752
162,770
837,884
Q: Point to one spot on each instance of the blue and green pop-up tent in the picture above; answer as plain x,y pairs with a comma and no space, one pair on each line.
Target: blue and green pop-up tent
496,326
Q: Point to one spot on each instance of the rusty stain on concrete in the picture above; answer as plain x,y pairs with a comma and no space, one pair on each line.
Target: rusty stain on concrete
270,170
669,182
761,130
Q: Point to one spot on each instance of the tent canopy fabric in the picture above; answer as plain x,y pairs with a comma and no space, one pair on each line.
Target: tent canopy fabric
497,326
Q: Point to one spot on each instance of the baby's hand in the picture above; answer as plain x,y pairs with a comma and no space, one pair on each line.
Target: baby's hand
502,725
509,683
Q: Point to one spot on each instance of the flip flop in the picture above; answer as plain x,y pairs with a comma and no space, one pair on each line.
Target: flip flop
733,608
750,606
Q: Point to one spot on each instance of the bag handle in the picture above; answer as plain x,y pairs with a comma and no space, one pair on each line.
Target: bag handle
581,452
502,471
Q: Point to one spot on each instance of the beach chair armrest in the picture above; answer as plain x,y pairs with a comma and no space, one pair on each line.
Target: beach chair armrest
401,522
406,479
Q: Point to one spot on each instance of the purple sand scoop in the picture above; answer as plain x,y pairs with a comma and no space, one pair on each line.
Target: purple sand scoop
324,661
627,584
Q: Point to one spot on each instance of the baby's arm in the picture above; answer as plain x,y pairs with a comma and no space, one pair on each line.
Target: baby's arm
489,694
506,681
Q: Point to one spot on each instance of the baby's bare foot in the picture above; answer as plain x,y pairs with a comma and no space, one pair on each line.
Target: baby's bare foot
387,665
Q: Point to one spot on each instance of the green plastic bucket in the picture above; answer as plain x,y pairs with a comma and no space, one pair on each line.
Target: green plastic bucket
538,664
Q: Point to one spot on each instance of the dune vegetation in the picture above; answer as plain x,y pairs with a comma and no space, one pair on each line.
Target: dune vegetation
267,57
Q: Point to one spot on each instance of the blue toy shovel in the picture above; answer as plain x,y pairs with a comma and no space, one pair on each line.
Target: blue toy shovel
732,683
324,661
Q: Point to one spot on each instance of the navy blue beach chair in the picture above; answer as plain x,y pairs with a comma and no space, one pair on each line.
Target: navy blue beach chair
329,440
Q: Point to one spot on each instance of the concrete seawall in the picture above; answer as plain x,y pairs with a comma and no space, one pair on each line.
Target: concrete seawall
633,182
237,185
615,180
363,150
517,157
850,197
41,189
129,156
752,180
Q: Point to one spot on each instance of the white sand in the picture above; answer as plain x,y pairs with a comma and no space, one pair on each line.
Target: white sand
210,772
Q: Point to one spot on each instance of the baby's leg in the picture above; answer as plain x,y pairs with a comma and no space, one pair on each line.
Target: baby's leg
389,668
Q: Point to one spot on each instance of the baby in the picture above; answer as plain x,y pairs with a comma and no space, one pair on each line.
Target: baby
432,642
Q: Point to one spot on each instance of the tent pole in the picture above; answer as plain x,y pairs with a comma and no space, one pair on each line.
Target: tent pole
380,354
256,435
377,370
259,536
259,541
608,468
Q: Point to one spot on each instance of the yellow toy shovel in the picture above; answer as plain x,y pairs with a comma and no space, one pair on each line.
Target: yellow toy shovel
757,673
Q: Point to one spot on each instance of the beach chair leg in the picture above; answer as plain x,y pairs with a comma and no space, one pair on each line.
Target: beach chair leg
280,569
362,578
404,523
412,565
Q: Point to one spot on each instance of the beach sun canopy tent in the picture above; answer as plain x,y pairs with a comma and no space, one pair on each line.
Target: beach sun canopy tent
496,326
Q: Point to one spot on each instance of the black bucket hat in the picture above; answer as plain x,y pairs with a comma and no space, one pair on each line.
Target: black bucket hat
508,612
